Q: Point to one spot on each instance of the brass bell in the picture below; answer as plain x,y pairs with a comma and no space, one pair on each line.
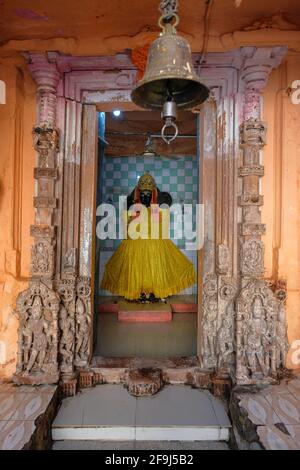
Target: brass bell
169,74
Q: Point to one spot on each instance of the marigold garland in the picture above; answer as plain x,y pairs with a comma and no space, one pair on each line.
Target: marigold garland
139,58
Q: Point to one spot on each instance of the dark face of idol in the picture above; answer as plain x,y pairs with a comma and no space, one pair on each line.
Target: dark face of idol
146,198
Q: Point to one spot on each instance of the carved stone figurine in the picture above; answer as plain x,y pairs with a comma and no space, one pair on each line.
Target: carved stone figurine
225,345
40,258
281,339
82,331
37,338
209,329
66,344
257,340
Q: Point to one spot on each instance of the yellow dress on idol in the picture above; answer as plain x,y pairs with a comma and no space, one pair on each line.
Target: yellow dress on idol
147,262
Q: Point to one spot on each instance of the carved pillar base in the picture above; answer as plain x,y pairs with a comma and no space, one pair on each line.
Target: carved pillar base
89,378
68,385
221,387
144,382
202,379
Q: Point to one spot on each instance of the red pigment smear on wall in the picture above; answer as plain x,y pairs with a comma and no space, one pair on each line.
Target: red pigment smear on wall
30,14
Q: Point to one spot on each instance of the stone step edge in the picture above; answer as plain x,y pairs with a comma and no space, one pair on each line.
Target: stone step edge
141,433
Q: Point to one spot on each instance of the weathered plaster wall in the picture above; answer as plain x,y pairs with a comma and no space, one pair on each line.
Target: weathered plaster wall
16,210
281,211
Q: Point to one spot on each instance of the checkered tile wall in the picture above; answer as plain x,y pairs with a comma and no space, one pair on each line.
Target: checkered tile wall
119,176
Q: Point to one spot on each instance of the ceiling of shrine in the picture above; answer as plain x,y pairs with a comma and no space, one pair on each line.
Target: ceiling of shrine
127,134
29,19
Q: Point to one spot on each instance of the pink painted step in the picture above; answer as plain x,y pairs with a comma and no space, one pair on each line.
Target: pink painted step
144,313
182,307
175,307
108,307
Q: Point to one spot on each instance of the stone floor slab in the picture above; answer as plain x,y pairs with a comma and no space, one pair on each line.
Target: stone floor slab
286,406
108,412
176,406
20,406
273,438
258,409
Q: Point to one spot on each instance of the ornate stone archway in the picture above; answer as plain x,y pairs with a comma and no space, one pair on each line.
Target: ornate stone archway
55,312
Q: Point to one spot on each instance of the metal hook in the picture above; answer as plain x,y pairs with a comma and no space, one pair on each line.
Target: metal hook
172,22
167,138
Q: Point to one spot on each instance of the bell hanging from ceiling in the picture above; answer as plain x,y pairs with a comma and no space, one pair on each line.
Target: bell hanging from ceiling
170,73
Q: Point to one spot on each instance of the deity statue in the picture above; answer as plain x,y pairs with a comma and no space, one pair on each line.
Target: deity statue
281,339
209,328
147,266
82,331
225,334
37,340
257,340
67,329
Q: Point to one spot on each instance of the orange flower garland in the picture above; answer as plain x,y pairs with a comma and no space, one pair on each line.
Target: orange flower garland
139,58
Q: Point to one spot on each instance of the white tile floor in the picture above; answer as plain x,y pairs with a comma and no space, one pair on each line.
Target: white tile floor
108,412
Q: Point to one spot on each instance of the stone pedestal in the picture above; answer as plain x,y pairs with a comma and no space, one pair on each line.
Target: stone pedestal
144,382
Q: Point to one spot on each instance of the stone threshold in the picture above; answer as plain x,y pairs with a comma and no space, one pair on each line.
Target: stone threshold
175,413
173,371
178,370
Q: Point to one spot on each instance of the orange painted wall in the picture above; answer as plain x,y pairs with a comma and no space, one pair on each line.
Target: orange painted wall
17,117
281,189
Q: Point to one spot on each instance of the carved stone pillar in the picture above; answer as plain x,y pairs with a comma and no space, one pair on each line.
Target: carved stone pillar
38,306
261,343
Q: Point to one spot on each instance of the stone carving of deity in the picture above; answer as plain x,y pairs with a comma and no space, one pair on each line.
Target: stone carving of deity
257,340
209,327
66,344
281,340
225,346
82,331
36,344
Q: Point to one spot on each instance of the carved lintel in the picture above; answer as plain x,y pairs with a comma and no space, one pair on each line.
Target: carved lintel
42,259
44,202
37,309
251,200
222,259
251,229
49,173
252,257
256,170
42,231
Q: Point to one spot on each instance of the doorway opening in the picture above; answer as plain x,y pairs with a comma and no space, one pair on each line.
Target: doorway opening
130,145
